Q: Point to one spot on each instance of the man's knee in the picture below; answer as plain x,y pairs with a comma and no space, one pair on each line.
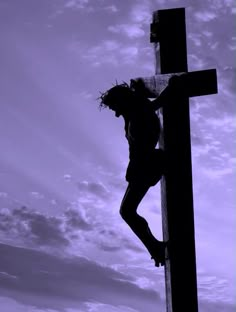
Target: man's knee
125,212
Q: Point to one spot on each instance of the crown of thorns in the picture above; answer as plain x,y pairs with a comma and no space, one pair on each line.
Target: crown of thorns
108,95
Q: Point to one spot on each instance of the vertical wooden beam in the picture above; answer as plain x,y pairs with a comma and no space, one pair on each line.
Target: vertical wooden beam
168,29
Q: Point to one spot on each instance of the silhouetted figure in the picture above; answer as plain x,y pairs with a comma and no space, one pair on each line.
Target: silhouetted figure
146,163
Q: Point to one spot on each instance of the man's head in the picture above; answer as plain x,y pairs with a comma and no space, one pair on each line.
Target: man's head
119,99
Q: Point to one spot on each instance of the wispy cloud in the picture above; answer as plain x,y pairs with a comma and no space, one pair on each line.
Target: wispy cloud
3,195
37,195
217,173
103,53
76,4
129,54
111,8
130,30
205,16
196,39
141,13
212,288
196,61
93,189
70,5
113,53
221,5
225,122
97,307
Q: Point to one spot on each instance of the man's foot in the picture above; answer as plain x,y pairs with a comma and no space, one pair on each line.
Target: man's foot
159,254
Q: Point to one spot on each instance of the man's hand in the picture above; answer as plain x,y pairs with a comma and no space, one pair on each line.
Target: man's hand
174,89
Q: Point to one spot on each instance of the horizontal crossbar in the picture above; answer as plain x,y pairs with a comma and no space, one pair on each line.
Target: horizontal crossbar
196,83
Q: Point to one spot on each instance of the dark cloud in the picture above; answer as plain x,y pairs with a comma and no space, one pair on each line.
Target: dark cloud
63,281
47,231
74,220
28,226
110,240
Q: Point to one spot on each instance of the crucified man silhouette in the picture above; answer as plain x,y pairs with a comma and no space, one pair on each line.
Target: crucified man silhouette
146,163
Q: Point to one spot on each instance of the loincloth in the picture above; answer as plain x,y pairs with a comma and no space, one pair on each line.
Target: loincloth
147,169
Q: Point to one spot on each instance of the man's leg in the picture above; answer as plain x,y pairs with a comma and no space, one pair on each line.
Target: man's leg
128,210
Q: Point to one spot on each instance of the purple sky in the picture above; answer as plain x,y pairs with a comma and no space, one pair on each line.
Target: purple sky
63,244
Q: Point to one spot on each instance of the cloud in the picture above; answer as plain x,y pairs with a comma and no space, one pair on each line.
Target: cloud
130,30
76,220
232,47
205,148
47,231
111,52
228,123
220,5
214,45
11,305
98,307
37,195
129,53
205,16
71,5
85,95
217,173
212,288
111,8
106,52
205,306
3,195
28,227
67,177
141,13
76,4
68,282
144,282
93,189
87,224
196,39
197,62
207,34
33,227
98,209
227,84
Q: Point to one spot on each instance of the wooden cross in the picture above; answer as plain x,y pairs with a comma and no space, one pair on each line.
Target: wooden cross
168,33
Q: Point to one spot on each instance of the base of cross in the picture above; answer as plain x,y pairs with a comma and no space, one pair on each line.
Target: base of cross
191,84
